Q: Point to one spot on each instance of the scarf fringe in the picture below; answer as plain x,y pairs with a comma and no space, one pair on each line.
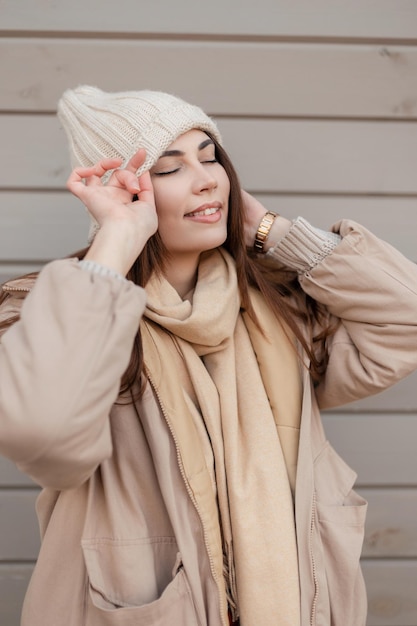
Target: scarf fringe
230,581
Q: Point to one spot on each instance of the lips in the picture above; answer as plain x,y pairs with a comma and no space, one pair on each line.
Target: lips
205,209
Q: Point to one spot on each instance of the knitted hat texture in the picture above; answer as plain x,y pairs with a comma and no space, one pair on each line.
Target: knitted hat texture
101,124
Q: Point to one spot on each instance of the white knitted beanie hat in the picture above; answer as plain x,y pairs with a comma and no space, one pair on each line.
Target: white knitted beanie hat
102,125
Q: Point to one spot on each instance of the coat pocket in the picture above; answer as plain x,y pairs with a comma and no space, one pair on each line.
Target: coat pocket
340,516
137,582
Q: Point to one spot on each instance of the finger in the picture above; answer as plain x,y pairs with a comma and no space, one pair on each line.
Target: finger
136,161
126,179
98,169
75,180
76,185
146,193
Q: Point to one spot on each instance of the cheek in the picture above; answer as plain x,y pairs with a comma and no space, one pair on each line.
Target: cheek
168,196
163,202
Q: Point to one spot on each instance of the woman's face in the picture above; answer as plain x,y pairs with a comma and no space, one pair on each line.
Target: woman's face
191,193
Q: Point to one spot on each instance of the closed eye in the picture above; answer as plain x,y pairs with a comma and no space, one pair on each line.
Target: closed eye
177,168
166,173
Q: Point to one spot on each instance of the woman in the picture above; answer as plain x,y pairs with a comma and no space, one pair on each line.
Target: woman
164,386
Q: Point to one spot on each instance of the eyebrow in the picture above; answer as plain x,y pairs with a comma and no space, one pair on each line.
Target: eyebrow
170,153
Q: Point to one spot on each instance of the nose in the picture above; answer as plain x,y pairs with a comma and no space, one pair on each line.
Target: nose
204,178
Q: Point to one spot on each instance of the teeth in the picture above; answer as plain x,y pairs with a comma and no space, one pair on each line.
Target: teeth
209,211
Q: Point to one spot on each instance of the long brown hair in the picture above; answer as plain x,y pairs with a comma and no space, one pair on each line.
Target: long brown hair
280,288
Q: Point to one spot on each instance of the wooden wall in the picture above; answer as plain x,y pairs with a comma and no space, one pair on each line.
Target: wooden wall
317,103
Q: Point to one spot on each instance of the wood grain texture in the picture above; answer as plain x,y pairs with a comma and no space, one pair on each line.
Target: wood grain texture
333,80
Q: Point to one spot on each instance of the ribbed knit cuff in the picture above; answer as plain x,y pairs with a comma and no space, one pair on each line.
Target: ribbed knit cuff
98,268
304,246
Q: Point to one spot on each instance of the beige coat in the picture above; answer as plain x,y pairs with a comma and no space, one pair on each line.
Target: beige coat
129,534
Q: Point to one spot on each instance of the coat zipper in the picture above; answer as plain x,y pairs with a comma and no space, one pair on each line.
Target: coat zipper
184,477
7,288
313,563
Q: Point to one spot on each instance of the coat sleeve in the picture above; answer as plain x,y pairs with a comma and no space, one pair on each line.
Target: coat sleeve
60,371
372,289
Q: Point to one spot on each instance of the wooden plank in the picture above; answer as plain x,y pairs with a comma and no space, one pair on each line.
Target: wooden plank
45,225
285,79
392,599
10,476
41,226
14,579
41,155
391,529
274,18
393,219
320,155
380,448
271,155
19,537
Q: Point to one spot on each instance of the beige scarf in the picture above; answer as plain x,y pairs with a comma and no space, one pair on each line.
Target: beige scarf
222,351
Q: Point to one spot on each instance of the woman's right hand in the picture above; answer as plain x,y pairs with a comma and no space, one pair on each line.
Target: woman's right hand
124,225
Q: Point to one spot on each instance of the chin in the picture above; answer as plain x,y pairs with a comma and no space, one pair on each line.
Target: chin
216,242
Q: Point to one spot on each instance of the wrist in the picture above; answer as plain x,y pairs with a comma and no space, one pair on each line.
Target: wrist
273,233
116,248
93,267
263,230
